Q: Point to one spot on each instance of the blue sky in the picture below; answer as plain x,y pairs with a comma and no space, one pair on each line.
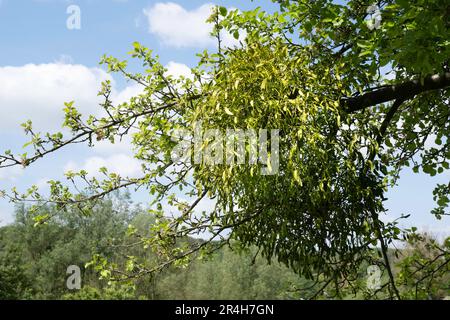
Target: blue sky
43,64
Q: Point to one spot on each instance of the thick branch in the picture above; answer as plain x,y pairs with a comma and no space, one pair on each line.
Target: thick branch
402,91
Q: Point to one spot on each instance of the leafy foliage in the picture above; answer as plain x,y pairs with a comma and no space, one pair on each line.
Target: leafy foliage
316,72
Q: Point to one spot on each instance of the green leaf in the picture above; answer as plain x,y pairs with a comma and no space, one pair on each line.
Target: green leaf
223,11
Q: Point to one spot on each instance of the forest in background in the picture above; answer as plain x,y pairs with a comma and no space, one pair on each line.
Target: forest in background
34,260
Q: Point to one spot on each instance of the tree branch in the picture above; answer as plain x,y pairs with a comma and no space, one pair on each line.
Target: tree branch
402,91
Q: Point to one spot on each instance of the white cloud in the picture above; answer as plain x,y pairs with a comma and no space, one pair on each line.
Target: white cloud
124,146
177,70
122,164
174,69
175,26
178,27
126,94
10,174
38,92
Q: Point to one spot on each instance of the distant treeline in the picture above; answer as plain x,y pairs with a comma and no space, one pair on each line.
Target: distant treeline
34,262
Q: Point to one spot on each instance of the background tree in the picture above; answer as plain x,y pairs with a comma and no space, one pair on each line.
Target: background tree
33,261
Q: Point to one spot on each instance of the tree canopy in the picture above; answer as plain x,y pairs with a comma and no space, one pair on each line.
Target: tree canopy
351,103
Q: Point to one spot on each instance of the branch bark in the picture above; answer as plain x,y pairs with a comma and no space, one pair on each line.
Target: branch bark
402,91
